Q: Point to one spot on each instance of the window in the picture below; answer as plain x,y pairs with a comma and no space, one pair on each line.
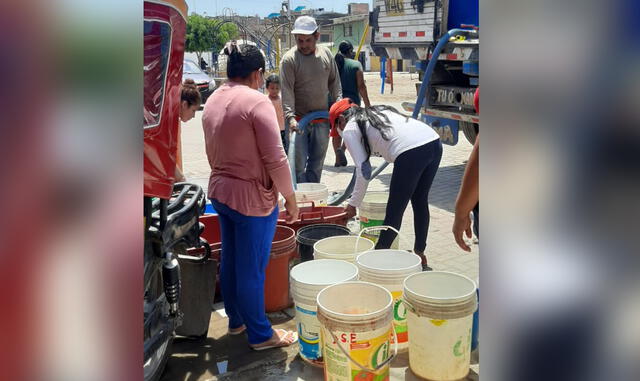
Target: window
325,38
347,30
157,44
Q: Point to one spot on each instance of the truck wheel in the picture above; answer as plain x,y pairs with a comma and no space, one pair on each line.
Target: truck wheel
470,131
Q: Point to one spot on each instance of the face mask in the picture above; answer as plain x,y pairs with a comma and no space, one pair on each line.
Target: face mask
339,131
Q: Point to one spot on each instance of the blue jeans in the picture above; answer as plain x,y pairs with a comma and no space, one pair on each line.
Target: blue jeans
311,149
246,246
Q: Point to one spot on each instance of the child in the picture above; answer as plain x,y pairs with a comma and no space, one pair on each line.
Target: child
273,88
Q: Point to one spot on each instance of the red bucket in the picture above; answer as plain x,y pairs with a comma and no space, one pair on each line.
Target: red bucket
276,284
310,215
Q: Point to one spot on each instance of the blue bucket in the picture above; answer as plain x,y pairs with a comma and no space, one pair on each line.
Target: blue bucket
208,209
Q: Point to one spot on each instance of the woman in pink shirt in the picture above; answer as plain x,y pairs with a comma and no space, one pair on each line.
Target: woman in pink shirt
248,170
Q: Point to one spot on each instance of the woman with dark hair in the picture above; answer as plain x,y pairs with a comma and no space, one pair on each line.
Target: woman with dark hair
190,101
353,86
414,148
248,170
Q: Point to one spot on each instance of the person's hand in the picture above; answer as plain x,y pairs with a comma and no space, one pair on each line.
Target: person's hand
350,210
291,207
462,224
293,126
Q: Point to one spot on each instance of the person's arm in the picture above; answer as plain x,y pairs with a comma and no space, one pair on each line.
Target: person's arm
352,139
467,198
265,125
362,88
287,86
335,87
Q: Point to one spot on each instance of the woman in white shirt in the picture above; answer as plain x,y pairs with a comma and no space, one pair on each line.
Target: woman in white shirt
414,148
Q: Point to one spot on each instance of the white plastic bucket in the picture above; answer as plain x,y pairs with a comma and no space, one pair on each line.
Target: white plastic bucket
440,315
389,269
312,192
345,248
307,280
356,331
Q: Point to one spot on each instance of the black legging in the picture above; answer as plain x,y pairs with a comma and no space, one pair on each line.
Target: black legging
413,173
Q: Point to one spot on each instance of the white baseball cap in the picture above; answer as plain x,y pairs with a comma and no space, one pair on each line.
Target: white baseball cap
304,25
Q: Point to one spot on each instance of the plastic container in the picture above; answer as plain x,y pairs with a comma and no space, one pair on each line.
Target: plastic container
345,248
276,284
309,235
307,280
312,192
212,234
389,269
440,314
356,319
310,215
372,211
197,290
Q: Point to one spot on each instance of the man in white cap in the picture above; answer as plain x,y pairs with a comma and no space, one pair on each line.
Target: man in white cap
309,76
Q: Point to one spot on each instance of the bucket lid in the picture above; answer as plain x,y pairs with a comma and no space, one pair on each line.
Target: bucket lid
439,287
388,264
322,272
355,302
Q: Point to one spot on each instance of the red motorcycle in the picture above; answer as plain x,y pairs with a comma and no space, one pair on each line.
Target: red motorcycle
171,211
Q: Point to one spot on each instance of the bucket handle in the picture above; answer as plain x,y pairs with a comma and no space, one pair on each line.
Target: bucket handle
408,305
380,366
375,228
308,216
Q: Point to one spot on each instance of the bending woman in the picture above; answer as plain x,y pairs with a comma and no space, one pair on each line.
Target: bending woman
414,148
248,170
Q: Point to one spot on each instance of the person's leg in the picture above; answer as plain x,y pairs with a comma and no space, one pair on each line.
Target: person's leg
253,240
285,145
431,155
228,265
476,220
318,144
403,183
302,154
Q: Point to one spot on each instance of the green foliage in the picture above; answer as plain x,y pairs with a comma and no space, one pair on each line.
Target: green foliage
204,34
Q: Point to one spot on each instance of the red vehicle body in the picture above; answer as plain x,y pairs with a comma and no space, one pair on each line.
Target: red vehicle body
164,35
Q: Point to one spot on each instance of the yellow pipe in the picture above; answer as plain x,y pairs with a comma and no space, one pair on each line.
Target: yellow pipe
364,36
278,56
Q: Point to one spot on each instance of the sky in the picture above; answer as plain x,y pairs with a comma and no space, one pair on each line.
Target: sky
264,7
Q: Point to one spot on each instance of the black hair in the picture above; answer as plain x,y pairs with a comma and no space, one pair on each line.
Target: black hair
339,61
376,119
190,93
273,78
243,60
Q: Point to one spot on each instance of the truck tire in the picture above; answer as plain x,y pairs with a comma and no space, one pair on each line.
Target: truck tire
470,131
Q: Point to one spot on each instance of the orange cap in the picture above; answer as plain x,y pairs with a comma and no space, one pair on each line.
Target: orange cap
338,108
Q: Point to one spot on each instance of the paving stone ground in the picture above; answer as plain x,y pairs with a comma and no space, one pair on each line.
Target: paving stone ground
221,357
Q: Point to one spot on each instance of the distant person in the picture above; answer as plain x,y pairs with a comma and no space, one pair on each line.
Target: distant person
353,86
273,89
468,200
203,64
190,101
309,77
412,146
248,170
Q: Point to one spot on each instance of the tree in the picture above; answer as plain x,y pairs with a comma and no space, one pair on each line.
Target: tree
205,34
